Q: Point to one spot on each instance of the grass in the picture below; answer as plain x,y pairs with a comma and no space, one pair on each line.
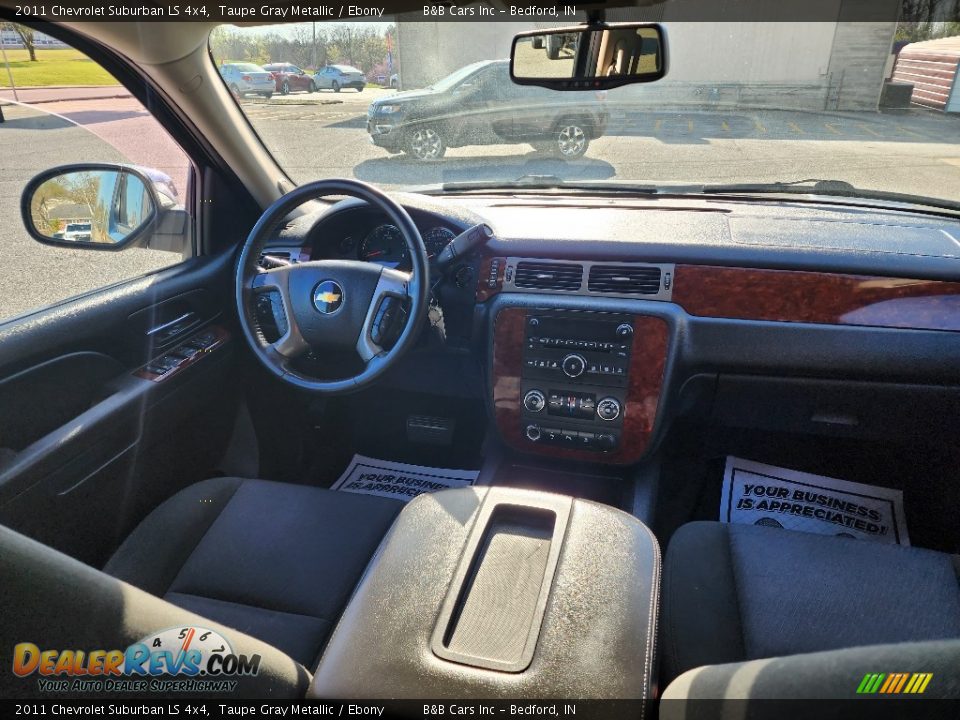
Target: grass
53,67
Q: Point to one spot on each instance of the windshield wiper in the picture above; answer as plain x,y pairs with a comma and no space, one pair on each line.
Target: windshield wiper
531,181
813,186
524,181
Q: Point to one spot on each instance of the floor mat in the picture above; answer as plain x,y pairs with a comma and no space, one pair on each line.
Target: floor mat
369,476
759,494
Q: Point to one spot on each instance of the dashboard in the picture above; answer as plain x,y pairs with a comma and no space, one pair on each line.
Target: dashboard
598,319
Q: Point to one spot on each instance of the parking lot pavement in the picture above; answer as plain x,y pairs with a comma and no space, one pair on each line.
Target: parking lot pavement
914,151
33,275
324,135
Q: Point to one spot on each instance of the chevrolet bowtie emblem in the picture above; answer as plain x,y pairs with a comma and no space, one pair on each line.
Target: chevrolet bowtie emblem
328,297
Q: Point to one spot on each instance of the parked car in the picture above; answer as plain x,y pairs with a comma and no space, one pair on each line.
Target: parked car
336,77
247,78
77,232
289,78
480,105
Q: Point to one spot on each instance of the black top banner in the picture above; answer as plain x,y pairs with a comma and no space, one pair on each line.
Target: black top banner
547,11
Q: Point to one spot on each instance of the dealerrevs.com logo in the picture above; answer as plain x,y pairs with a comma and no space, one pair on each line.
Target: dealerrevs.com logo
182,659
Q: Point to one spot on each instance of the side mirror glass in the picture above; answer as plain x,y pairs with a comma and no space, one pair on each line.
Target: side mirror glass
104,207
593,57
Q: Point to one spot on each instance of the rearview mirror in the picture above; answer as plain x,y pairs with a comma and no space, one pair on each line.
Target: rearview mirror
100,206
594,57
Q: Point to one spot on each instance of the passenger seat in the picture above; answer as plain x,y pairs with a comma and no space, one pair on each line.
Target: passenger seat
737,593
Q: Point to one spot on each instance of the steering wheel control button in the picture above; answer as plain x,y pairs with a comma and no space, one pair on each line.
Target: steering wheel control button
608,409
533,433
573,365
328,297
534,401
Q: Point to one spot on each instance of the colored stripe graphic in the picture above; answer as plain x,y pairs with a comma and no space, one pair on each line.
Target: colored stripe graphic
903,679
890,681
894,683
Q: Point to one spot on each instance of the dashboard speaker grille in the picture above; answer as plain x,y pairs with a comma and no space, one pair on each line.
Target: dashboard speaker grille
548,276
624,279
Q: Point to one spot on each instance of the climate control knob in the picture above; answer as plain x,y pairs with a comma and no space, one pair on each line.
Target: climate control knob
534,401
573,365
533,433
608,409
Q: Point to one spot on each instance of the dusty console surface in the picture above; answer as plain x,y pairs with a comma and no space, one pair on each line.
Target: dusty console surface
497,592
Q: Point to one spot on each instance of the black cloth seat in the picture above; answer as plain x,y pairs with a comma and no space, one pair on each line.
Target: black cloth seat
734,593
272,560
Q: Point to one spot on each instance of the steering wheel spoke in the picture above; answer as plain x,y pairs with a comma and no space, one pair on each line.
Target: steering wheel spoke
292,343
384,314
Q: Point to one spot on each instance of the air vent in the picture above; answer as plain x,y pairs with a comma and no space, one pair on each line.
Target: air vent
624,279
548,276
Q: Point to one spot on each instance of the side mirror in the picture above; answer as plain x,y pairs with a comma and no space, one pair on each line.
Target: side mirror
98,206
590,57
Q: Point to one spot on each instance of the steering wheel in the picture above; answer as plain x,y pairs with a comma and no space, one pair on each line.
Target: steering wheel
334,304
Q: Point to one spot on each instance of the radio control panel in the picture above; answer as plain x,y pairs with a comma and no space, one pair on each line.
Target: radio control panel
574,378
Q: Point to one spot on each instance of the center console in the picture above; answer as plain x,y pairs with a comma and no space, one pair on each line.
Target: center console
493,592
578,384
574,378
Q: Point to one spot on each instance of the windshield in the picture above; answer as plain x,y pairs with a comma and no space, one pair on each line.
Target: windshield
742,103
453,78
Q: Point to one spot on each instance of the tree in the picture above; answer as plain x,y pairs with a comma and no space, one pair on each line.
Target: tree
84,189
26,37
928,19
45,199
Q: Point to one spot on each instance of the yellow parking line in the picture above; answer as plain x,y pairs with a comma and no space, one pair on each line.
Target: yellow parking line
832,129
759,126
869,130
690,126
796,128
725,126
658,124
910,132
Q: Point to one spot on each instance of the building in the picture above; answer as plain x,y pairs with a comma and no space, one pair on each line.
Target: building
932,67
790,65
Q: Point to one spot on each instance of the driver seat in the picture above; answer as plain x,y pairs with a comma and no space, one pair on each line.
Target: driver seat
273,560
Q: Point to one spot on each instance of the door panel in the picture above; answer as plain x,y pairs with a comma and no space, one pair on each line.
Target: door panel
87,447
